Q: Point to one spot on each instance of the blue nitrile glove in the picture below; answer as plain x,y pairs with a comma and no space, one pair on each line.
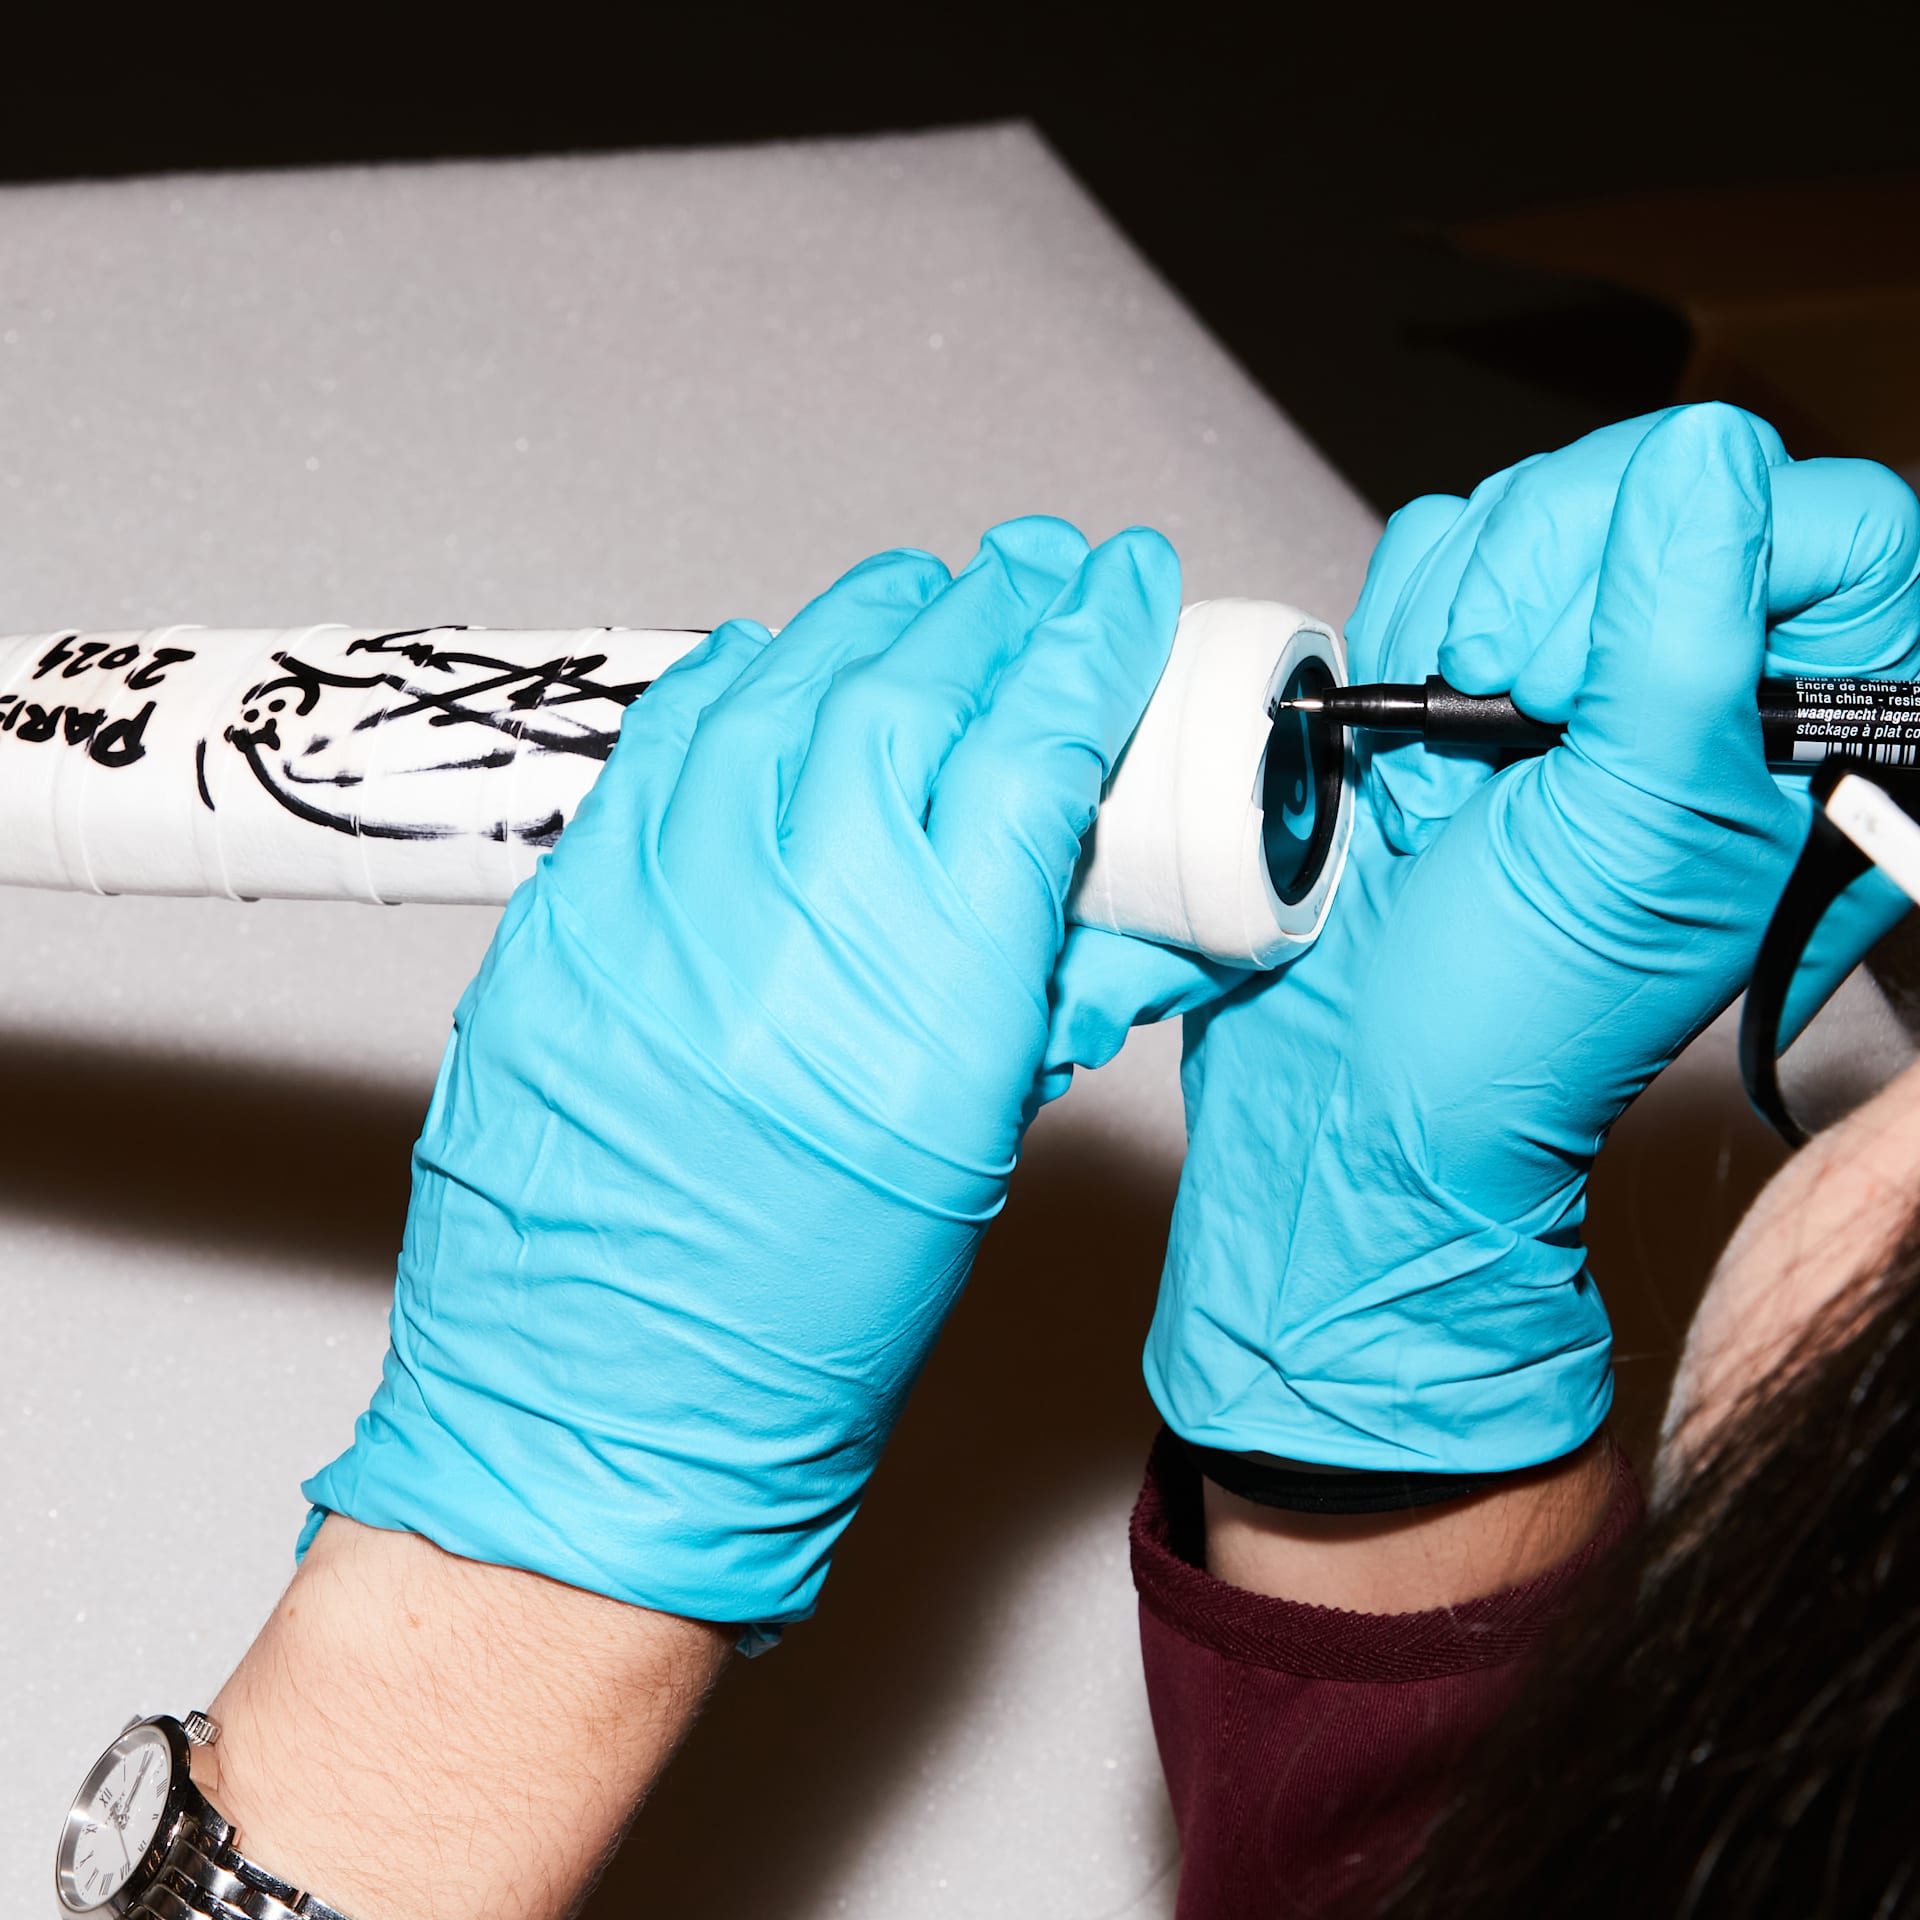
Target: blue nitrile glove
743,1076
1376,1254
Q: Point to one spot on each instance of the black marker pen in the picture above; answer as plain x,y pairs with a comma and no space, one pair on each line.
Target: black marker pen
1801,720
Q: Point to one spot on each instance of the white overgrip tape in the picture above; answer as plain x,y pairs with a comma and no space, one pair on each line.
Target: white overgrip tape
1177,853
335,762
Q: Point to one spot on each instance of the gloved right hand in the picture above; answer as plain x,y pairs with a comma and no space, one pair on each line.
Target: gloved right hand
742,1079
1376,1255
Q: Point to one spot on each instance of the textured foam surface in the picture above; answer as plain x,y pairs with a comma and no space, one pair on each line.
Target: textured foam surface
657,390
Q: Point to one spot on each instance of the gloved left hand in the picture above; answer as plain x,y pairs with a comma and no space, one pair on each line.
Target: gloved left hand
744,1074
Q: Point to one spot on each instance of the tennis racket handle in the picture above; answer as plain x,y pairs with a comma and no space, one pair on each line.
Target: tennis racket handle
438,764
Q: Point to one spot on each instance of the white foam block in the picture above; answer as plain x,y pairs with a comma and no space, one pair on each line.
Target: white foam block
643,390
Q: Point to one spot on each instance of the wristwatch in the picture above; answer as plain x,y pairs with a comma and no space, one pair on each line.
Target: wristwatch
141,1840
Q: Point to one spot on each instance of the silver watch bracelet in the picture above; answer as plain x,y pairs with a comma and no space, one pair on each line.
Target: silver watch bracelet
205,1877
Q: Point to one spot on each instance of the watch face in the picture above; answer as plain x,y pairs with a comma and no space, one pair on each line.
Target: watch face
114,1818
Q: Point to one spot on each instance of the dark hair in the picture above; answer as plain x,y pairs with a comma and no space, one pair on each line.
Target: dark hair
1730,1725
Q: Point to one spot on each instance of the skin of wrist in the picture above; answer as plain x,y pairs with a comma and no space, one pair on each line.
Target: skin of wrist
1435,1556
416,1735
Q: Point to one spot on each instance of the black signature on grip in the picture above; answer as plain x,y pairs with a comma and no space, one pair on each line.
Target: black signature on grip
303,734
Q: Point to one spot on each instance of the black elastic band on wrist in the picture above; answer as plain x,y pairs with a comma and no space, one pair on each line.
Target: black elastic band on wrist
1298,1488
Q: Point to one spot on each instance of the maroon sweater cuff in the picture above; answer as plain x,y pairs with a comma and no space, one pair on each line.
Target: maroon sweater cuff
1307,1749
1329,1643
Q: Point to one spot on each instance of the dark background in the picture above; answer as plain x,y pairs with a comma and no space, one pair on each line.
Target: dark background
1291,168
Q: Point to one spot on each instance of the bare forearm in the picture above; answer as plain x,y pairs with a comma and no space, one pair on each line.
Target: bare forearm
1436,1556
418,1737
